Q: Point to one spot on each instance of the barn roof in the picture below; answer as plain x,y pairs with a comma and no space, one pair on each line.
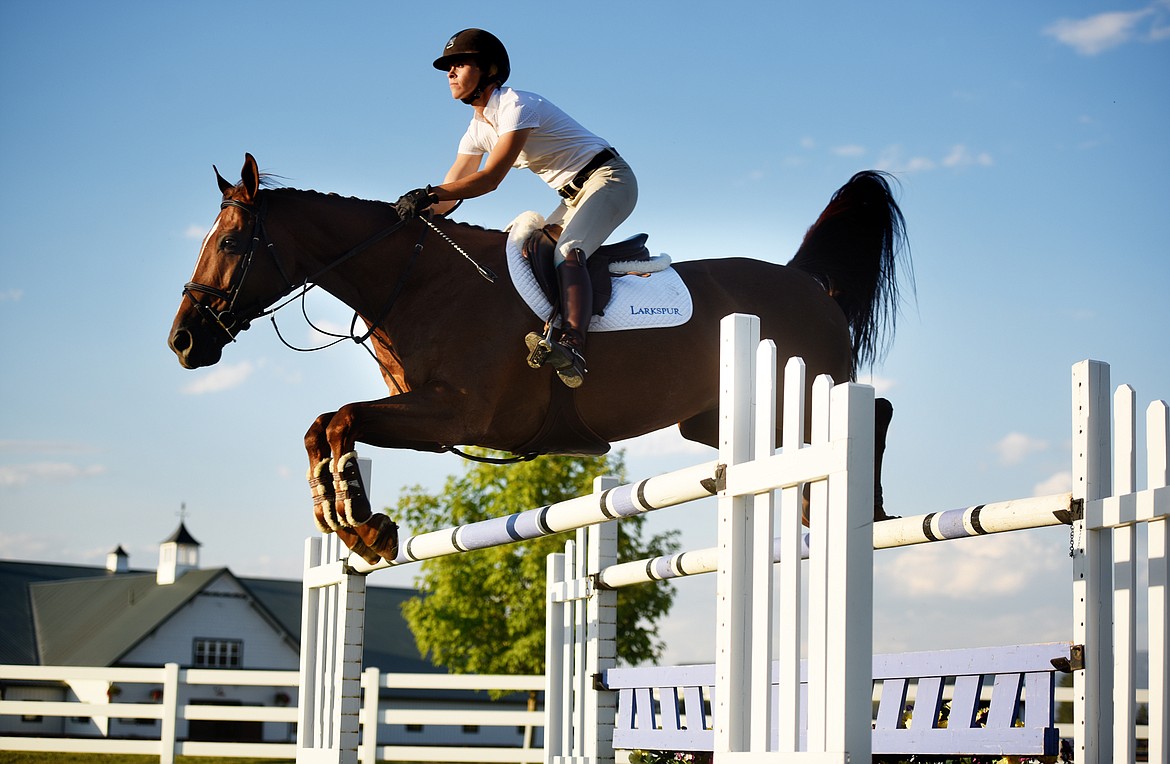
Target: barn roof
54,614
95,621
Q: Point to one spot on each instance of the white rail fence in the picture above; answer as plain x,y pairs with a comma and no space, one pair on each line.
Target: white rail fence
414,712
164,700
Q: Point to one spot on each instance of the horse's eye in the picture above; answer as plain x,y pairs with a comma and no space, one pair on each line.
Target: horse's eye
229,245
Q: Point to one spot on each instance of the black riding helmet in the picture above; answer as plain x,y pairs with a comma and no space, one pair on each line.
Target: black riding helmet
488,52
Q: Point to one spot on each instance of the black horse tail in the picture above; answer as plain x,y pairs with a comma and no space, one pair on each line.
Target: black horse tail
853,249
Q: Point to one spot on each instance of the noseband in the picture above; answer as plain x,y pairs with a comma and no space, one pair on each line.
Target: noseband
228,320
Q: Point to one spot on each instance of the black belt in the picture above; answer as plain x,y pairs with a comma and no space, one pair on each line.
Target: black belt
573,187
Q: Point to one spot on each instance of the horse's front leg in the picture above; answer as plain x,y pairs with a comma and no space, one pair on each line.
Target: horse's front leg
426,419
321,484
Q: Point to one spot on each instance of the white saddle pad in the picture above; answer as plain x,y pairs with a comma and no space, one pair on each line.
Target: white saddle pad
639,302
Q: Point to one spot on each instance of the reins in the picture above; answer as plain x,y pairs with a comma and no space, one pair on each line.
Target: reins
231,324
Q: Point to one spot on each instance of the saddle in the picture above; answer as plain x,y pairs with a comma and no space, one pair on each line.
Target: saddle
630,257
563,432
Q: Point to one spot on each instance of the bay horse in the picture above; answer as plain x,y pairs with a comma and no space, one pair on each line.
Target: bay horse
450,344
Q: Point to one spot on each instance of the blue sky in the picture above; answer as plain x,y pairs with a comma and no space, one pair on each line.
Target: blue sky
1029,140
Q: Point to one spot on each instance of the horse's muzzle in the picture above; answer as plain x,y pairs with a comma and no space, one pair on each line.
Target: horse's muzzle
193,350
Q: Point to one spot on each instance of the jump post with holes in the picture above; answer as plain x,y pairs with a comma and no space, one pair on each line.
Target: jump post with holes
819,709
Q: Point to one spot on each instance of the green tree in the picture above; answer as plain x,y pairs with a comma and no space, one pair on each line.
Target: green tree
483,612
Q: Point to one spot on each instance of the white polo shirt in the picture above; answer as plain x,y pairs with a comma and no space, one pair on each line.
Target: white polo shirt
556,149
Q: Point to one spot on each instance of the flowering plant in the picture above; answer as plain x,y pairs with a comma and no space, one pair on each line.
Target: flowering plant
670,757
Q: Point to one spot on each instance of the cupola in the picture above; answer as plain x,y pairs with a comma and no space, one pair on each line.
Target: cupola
118,561
176,555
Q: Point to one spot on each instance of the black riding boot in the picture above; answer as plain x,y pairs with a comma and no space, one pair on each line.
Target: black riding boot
565,354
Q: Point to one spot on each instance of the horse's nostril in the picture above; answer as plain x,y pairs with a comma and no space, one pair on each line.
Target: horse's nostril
181,341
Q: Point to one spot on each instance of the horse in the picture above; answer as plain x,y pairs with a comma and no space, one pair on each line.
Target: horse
450,340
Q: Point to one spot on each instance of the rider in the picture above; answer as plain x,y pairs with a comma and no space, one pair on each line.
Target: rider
515,128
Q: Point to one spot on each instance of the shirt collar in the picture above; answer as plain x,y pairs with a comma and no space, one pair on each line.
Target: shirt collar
491,108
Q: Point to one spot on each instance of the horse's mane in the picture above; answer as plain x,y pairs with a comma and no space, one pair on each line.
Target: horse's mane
271,186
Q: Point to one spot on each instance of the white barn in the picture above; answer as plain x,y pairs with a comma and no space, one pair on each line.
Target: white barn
74,615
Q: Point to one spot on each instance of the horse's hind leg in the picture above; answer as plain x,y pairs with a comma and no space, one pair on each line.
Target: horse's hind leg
883,413
704,428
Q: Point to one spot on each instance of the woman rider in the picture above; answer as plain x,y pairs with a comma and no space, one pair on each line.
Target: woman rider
516,128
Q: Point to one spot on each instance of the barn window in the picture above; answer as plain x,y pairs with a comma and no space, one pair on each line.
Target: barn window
217,653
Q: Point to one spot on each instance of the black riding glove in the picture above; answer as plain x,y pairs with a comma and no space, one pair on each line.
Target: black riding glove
410,204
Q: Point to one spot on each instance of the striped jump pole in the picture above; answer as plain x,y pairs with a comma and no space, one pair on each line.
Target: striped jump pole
668,490
965,522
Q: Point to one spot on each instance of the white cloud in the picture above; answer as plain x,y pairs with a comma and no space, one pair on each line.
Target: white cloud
24,546
223,377
893,159
664,442
11,295
961,156
1001,565
1058,483
1014,447
194,231
1097,34
881,385
57,472
851,150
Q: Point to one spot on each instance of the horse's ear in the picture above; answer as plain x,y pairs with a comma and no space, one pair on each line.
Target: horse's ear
223,184
250,176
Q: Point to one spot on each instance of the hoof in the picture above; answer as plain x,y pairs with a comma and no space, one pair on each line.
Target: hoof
357,546
879,507
381,536
351,504
321,486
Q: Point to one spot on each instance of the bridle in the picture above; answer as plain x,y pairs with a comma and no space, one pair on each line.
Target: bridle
230,320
